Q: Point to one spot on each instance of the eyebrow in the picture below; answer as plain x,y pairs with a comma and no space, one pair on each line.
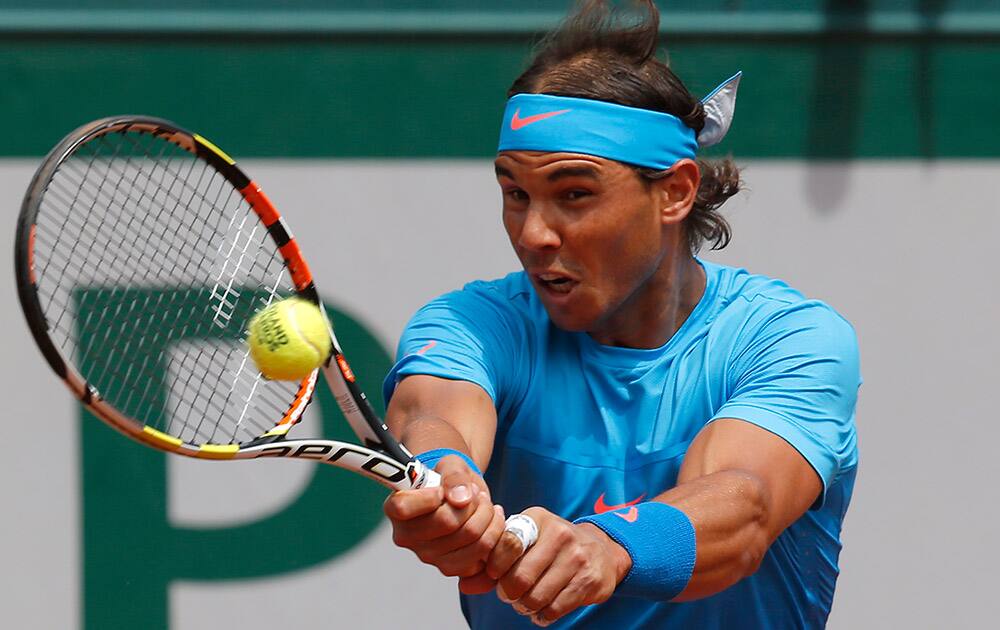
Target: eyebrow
562,173
573,171
502,172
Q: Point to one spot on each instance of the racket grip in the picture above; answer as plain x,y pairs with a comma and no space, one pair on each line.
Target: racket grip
423,477
432,480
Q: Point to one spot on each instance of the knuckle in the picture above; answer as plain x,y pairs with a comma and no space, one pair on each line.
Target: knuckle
604,594
424,555
518,583
531,603
554,611
483,546
589,583
444,572
449,569
595,590
472,570
391,507
448,522
563,534
400,539
469,533
600,593
507,547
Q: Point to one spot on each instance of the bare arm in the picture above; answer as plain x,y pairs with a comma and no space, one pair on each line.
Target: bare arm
429,412
455,526
740,486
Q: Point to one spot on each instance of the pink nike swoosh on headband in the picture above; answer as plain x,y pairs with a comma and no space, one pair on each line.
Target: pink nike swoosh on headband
517,122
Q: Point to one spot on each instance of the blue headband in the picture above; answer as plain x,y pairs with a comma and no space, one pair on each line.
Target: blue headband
541,122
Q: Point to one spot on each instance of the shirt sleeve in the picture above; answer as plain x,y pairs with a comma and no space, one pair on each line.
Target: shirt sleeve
797,375
473,335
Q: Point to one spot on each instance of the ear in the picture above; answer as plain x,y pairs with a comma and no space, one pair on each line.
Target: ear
678,191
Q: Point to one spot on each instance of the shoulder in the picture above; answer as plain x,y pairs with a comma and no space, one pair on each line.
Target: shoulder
510,297
750,304
477,333
514,289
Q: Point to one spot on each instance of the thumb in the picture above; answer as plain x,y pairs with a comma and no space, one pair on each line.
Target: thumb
459,482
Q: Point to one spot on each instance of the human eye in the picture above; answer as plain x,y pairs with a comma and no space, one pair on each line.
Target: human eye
577,194
515,194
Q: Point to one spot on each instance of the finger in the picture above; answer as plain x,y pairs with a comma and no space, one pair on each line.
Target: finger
544,591
524,528
459,483
468,540
443,521
511,545
566,601
487,540
477,584
408,504
525,572
506,552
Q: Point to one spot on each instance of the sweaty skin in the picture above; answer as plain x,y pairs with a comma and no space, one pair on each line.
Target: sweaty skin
607,254
613,241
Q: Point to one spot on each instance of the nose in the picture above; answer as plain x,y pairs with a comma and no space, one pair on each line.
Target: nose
537,233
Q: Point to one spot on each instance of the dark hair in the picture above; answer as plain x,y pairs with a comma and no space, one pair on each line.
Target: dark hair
608,54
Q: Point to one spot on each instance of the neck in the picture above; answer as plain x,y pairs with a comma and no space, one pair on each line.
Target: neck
658,308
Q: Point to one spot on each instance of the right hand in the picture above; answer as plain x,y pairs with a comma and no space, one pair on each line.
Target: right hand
454,526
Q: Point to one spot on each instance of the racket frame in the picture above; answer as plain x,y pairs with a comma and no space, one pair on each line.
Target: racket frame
381,458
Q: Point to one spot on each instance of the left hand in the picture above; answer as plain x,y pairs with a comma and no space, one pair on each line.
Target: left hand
568,567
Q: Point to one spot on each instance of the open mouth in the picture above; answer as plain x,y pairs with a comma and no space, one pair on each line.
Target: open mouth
556,283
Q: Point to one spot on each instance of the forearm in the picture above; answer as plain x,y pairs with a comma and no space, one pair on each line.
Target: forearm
692,541
428,413
423,432
452,527
730,512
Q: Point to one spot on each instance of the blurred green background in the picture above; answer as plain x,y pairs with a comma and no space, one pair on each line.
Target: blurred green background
409,78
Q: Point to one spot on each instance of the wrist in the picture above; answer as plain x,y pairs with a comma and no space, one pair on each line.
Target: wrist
432,457
660,541
620,557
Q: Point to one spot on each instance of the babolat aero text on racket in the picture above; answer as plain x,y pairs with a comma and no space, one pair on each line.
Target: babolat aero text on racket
142,252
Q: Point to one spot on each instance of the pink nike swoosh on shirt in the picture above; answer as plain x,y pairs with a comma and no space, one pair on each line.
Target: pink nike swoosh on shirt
517,122
427,347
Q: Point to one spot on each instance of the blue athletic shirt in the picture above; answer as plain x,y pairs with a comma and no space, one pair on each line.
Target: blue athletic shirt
584,427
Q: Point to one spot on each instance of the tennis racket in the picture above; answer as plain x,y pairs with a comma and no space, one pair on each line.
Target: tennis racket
142,252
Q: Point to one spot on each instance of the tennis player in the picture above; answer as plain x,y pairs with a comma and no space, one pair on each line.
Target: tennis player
680,432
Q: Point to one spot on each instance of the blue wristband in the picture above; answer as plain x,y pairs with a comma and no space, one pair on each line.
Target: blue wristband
661,541
431,458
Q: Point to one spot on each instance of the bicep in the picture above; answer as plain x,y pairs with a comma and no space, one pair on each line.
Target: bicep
788,483
429,412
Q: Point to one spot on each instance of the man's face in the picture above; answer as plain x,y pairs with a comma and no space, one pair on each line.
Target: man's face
587,230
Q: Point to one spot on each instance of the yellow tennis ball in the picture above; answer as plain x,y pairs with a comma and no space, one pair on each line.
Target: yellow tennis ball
288,339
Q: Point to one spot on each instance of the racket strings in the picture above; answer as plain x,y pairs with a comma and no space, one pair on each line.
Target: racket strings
149,264
189,380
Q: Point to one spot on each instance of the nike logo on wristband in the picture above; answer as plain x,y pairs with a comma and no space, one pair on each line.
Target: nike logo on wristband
600,507
517,122
628,515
